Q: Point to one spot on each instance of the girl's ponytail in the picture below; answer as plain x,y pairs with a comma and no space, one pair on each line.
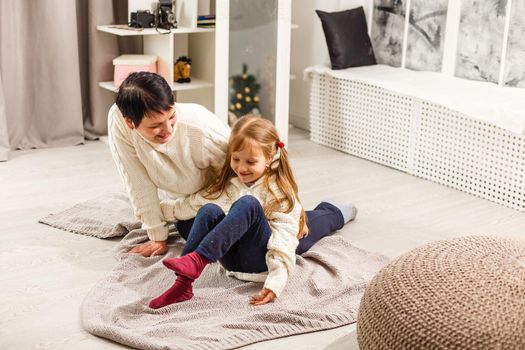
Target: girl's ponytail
281,169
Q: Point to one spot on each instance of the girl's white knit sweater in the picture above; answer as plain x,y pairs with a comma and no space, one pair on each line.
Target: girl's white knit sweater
178,167
280,257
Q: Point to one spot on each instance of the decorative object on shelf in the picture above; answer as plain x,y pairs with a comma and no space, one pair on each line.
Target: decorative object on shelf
127,64
181,70
206,21
164,15
244,90
142,19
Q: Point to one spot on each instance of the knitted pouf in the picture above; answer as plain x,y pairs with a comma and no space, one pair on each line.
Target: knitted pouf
466,293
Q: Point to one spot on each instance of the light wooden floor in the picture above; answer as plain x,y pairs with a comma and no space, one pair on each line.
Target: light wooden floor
45,272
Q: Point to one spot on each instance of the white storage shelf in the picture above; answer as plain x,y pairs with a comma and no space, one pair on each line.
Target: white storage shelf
209,49
161,44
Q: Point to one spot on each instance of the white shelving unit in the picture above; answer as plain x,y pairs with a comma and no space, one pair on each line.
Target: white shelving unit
161,45
196,43
157,46
210,50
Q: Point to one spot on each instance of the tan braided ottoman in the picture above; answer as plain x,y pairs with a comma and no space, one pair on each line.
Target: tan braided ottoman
466,293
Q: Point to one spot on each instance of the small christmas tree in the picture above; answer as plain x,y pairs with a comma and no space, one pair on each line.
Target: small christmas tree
244,89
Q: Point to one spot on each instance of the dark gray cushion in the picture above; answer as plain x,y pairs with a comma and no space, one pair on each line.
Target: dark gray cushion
347,38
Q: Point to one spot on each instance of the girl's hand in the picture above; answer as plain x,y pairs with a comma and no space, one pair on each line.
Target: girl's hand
263,297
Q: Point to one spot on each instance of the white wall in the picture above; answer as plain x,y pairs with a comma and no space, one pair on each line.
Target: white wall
308,48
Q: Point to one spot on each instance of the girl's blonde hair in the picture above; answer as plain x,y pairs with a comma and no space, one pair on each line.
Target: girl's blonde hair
254,130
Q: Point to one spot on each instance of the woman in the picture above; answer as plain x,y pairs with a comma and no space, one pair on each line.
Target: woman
158,144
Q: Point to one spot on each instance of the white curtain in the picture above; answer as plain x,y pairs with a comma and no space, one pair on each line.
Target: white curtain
101,48
4,137
51,59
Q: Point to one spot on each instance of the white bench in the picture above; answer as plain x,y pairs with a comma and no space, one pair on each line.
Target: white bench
464,134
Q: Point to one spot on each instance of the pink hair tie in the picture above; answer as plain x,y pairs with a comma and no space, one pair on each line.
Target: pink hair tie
280,144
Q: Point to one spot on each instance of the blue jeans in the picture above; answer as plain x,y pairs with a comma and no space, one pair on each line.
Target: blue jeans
252,231
237,240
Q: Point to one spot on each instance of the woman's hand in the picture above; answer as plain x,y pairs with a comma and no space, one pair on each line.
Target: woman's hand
263,297
151,248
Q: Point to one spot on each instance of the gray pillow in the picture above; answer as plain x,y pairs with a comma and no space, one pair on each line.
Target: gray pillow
347,38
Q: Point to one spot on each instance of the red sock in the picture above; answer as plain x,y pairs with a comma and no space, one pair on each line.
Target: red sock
189,265
181,290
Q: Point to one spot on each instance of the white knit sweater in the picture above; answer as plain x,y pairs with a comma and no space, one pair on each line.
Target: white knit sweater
280,257
178,167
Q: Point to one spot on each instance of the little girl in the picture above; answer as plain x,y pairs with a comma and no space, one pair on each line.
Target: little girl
250,219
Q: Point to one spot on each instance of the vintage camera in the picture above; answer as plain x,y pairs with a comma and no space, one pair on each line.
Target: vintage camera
142,19
164,15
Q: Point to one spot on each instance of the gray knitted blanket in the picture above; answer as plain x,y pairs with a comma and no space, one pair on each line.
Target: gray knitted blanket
324,292
107,216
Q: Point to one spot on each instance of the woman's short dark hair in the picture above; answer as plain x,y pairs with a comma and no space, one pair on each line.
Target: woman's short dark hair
143,93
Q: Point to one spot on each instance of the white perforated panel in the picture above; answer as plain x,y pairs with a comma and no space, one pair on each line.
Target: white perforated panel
360,119
421,138
470,155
